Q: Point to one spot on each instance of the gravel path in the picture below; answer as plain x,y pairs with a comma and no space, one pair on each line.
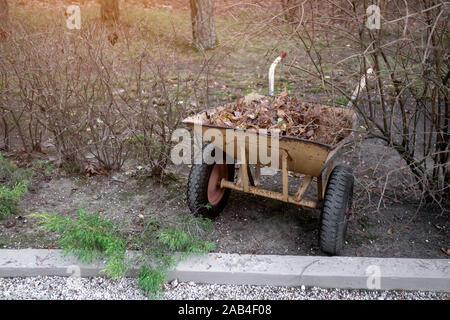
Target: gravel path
56,288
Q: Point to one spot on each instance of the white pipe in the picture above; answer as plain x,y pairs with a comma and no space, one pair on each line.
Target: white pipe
360,87
272,72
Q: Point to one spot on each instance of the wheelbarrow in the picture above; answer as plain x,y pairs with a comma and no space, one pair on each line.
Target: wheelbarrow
210,183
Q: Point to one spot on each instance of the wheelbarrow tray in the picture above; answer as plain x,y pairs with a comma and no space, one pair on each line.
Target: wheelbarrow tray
304,156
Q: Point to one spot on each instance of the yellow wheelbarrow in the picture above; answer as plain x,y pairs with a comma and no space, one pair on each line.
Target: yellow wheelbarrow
210,182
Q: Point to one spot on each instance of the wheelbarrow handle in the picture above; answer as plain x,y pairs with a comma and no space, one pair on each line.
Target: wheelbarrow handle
272,71
361,85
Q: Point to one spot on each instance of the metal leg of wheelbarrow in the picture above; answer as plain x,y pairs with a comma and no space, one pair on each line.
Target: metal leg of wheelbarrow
257,175
244,184
322,181
245,175
306,182
284,171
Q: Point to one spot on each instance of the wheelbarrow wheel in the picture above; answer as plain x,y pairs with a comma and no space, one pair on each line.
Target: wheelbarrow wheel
336,210
204,194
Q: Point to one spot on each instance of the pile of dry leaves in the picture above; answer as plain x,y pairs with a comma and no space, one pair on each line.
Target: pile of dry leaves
292,117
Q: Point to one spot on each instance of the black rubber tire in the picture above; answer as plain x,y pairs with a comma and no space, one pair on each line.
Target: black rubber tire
334,220
197,189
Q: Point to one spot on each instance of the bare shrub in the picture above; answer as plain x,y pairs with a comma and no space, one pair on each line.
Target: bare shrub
164,92
17,103
406,104
59,77
96,101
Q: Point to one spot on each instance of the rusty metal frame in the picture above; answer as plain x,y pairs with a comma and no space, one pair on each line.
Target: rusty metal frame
311,158
246,184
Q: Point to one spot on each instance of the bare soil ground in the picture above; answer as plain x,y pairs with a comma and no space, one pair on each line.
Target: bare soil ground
249,224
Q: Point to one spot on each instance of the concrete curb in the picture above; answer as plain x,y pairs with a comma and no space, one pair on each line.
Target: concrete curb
219,268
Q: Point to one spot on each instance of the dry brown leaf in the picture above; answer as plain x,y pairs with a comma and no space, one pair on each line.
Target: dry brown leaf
310,133
293,117
284,93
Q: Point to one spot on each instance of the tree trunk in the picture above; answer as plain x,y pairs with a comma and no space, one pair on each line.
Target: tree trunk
109,10
203,26
3,16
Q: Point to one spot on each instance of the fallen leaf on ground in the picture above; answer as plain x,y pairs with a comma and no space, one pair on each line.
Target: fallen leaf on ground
291,116
91,170
9,223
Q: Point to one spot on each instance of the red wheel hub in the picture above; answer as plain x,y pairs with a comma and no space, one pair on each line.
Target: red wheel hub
215,192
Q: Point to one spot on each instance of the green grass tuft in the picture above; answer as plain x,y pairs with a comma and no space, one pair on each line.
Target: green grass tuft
150,280
10,175
13,185
10,199
161,244
88,237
